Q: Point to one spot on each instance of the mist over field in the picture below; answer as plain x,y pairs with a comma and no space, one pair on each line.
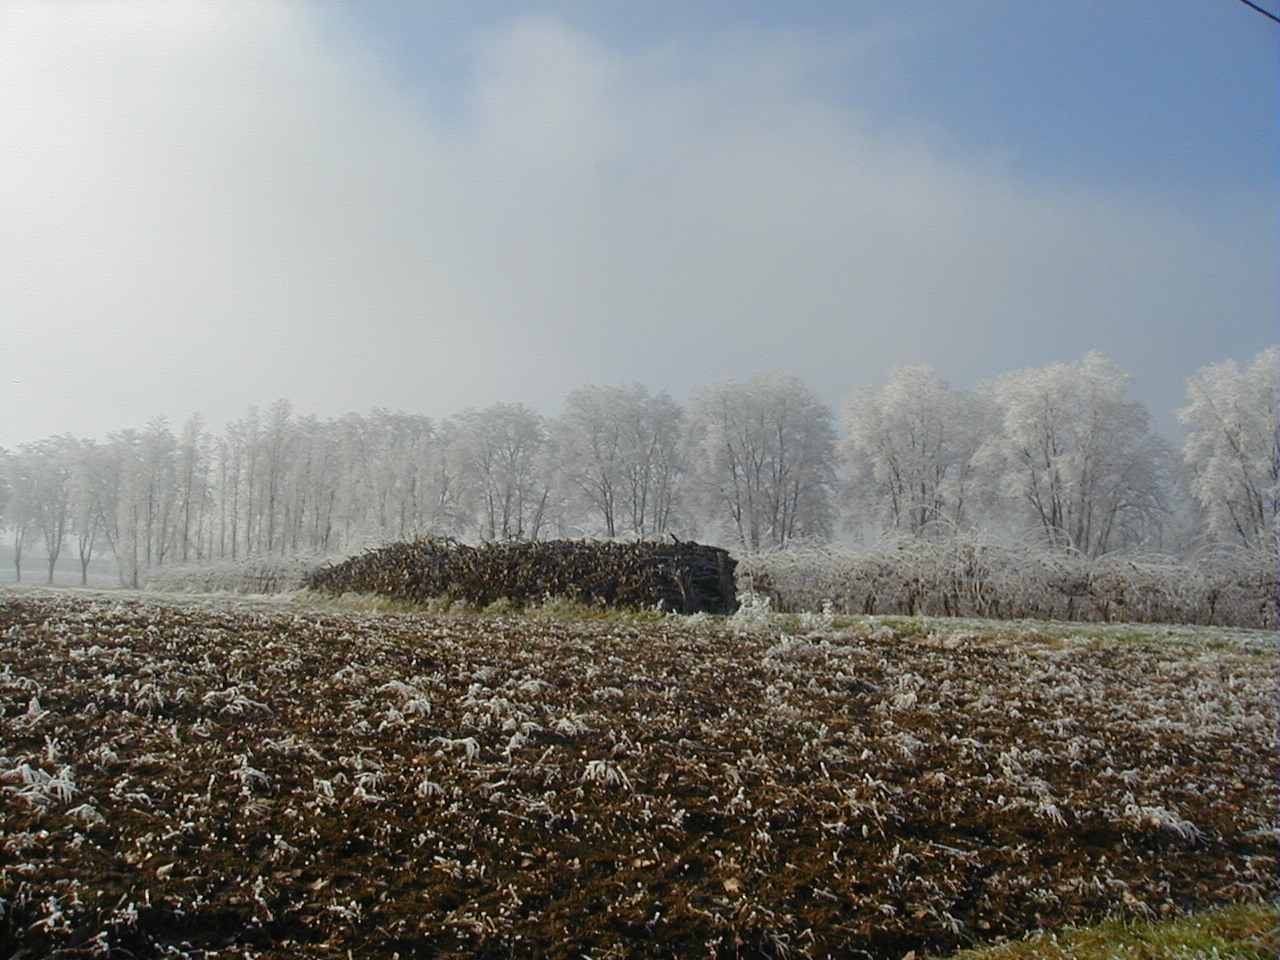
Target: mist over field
1046,494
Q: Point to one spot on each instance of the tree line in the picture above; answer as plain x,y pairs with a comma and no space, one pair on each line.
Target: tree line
1060,455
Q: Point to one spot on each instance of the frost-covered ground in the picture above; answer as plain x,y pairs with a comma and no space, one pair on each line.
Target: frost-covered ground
1263,642
222,777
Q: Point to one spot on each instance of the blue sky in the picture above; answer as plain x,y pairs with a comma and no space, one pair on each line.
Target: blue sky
209,204
1174,97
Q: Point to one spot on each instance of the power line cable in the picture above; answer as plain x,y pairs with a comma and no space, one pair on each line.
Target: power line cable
1265,13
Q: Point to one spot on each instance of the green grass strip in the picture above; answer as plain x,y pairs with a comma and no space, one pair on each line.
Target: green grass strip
1242,932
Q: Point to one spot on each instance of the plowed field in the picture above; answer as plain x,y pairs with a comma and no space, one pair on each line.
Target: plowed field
213,777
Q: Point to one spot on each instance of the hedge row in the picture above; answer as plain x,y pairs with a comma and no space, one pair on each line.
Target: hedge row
971,577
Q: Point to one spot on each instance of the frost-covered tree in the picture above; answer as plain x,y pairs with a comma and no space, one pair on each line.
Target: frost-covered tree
502,461
228,453
50,466
1232,448
416,499
86,523
1079,456
910,452
136,497
192,477
762,453
117,501
97,501
139,490
240,472
6,484
618,453
277,441
316,480
39,493
397,481
157,484
18,518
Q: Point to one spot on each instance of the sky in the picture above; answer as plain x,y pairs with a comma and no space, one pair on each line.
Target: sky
206,205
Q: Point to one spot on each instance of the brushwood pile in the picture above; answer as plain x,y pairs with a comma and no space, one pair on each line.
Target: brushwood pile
678,576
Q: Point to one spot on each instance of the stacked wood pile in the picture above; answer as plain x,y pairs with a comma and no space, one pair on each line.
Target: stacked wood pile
680,577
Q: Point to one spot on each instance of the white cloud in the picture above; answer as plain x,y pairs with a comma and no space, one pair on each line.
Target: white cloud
208,208
209,204
740,221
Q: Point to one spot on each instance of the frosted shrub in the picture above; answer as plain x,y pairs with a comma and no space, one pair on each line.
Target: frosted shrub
969,576
753,613
254,575
822,622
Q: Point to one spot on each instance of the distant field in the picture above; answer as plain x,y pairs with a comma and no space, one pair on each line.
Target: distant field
201,777
66,573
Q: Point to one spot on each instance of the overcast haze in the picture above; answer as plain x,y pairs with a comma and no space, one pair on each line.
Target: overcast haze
209,205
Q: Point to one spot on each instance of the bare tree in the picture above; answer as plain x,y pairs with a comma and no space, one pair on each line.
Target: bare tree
277,441
228,455
192,475
316,481
86,521
763,457
52,467
1079,455
502,462
618,451
48,474
156,485
245,439
18,518
1232,448
395,476
910,452
116,480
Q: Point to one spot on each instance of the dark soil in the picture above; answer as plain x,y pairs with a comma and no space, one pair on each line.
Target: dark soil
223,778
